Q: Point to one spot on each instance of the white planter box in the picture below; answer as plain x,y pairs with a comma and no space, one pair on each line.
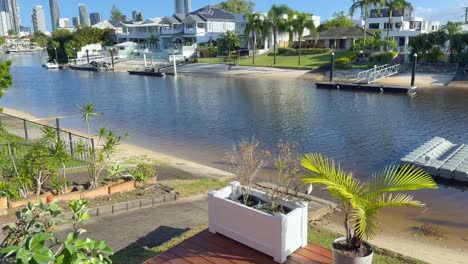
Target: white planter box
275,235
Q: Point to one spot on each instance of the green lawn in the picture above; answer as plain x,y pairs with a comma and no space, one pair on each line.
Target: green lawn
187,188
307,61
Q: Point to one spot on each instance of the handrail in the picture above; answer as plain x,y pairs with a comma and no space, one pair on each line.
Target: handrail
364,75
378,73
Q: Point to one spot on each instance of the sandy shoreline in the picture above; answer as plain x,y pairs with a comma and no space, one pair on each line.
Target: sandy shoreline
423,80
426,249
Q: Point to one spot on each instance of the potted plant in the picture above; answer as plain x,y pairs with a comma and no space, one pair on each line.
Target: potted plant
361,201
274,226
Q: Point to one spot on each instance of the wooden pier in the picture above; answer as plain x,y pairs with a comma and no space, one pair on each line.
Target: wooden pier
365,87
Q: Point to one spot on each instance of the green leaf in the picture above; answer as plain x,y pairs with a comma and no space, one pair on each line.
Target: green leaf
7,251
43,255
38,240
23,255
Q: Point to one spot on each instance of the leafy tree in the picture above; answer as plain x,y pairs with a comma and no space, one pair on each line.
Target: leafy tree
88,111
338,20
6,79
362,200
40,38
237,6
116,14
229,39
276,16
2,40
396,5
364,6
38,164
302,21
289,26
139,17
453,28
253,29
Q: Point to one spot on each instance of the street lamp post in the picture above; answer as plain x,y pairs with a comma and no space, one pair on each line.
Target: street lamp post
56,57
87,55
112,57
415,59
332,65
75,54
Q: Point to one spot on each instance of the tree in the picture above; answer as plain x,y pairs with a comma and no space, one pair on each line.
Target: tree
253,29
2,40
6,79
230,40
452,28
87,111
362,200
237,6
301,22
38,165
364,6
289,26
396,5
116,15
276,16
139,17
339,20
40,38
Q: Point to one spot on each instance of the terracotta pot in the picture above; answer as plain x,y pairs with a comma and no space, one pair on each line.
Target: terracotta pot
339,258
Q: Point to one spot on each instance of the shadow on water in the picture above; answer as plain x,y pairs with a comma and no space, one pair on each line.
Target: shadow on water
137,252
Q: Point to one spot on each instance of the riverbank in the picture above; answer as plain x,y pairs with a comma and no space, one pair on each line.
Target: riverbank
397,225
128,154
423,80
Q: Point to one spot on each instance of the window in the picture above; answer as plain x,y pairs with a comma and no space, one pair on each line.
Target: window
200,25
398,25
374,25
388,25
209,26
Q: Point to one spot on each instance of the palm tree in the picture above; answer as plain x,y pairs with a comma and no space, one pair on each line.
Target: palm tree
361,201
396,5
230,39
364,6
276,16
87,111
301,22
253,28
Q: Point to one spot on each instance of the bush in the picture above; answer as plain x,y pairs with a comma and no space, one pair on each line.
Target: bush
295,52
9,190
435,55
143,172
281,51
343,63
383,58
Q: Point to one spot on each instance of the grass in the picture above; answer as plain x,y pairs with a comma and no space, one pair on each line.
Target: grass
187,188
325,238
307,61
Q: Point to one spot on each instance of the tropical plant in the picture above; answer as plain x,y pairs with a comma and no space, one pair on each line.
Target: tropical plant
246,159
364,6
276,16
115,171
396,5
88,111
32,238
142,172
9,189
361,201
302,21
38,165
253,30
229,39
339,19
6,79
59,152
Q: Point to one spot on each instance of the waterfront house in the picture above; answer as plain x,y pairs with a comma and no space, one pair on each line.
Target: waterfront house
342,38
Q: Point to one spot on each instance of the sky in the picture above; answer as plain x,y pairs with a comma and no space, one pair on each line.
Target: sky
438,10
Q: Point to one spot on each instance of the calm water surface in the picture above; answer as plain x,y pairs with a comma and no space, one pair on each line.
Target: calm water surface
200,117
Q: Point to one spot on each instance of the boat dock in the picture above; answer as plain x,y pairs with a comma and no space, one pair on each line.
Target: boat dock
365,87
442,158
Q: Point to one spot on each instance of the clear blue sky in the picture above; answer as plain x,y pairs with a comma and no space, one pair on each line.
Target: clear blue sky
441,10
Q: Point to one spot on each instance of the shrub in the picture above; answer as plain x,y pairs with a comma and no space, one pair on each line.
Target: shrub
383,58
10,190
282,51
435,55
295,52
142,172
343,63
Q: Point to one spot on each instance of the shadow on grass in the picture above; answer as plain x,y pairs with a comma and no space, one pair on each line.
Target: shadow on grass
139,251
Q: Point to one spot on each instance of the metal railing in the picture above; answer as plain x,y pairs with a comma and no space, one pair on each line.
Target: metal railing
377,73
31,130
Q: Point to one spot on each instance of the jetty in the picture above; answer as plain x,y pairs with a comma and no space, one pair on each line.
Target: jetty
365,87
442,158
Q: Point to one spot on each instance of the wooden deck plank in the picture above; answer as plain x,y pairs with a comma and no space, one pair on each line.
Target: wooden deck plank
320,250
313,255
207,248
189,256
206,254
252,254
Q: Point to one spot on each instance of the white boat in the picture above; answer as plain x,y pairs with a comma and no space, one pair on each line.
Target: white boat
52,65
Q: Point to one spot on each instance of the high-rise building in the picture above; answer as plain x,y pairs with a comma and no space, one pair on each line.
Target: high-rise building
12,18
182,6
76,21
38,19
54,14
64,23
84,17
4,23
95,18
134,15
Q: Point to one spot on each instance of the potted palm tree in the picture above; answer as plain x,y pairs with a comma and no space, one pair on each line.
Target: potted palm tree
361,201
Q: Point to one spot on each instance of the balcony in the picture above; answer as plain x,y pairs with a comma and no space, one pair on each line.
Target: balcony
194,31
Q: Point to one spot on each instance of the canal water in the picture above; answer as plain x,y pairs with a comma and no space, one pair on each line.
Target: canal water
200,117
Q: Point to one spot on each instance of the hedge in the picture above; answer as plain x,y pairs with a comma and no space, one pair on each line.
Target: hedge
295,52
383,58
343,63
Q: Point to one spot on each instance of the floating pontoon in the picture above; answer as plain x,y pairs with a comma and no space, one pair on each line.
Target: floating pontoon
440,157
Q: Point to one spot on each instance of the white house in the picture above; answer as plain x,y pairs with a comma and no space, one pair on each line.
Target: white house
402,26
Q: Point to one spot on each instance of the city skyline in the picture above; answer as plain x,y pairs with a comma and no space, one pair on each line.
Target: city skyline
429,9
38,18
54,14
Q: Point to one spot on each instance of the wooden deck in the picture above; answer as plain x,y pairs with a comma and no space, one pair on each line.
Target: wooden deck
206,248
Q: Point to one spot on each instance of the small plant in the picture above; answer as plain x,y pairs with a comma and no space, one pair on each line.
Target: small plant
116,171
10,190
59,184
246,160
38,165
361,201
32,238
142,172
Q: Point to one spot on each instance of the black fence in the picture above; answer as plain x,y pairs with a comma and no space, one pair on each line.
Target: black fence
31,130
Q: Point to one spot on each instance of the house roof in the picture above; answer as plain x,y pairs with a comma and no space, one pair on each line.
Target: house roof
213,13
171,20
196,18
342,33
107,24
